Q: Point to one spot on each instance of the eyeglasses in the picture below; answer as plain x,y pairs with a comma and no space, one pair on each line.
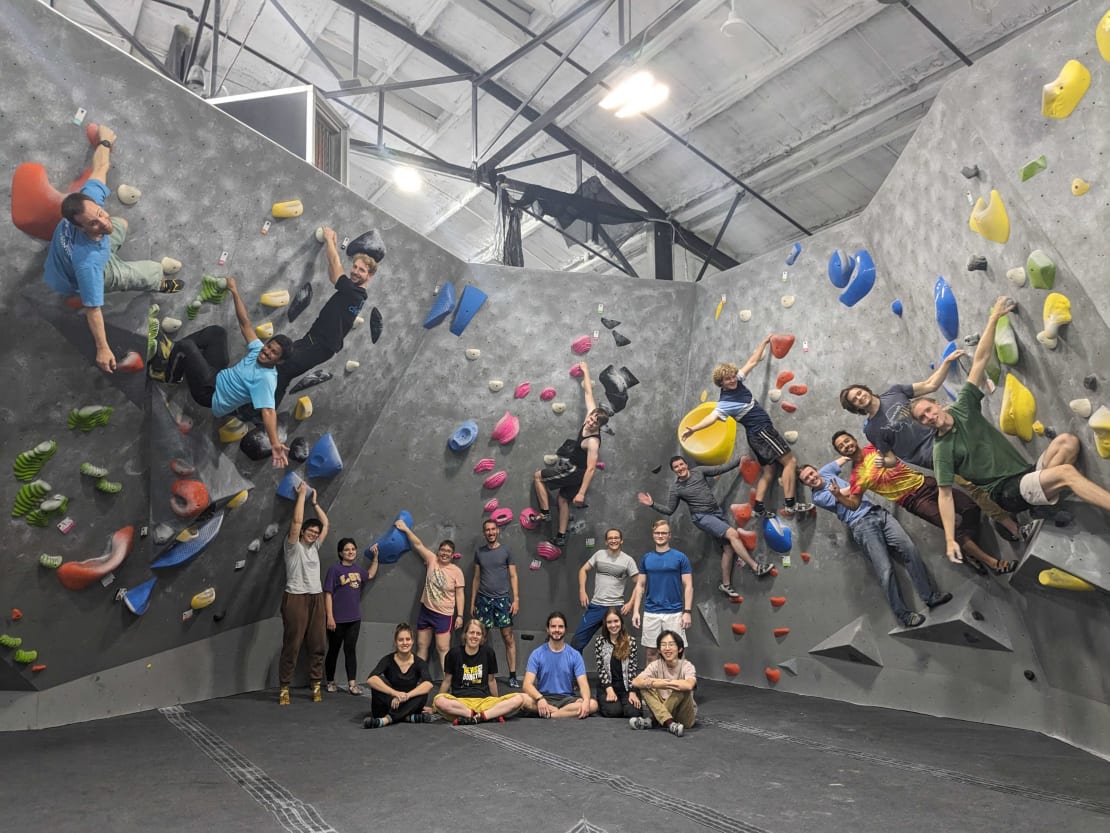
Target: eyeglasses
660,534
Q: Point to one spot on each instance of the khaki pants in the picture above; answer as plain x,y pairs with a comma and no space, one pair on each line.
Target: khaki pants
129,276
991,509
679,706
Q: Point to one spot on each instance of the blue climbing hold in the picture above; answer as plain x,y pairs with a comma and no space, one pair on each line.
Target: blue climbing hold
394,543
949,349
464,436
441,306
863,282
184,551
780,538
948,315
469,304
793,256
896,308
324,459
137,599
287,488
841,265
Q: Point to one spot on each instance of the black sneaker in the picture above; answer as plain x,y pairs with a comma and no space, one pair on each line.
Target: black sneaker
764,513
420,717
171,285
560,540
465,721
912,619
1029,530
543,516
937,601
764,568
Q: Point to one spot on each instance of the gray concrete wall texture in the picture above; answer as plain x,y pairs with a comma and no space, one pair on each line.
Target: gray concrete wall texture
208,184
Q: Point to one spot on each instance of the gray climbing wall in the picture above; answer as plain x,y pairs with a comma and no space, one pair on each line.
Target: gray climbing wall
208,185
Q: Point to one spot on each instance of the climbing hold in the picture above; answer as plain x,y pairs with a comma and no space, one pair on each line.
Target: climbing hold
798,390
790,436
233,430
265,330
581,345
720,306
316,377
1060,96
732,668
616,384
298,449
275,298
529,518
256,444
712,446
1060,580
469,304
1041,269
1100,424
1005,341
287,488
77,575
1033,167
495,480
896,308
238,499
464,436
25,657
970,171
977,263
739,629
192,309
213,290
1079,187
29,463
29,497
784,378
255,545
137,599
947,312
109,487
773,675
162,533
559,407
1016,275
185,551
472,354
375,325
576,370
522,390
787,301
780,632
324,459
319,234
704,395
36,204
781,344
8,641
548,551
495,385
298,305
1102,37
989,219
16,614
795,250
203,599
778,537
1038,428
38,668
609,323
1090,382
368,243
806,556
442,305
1018,410
547,394
303,409
484,465
748,538
749,469
502,516
1057,313
1081,407
863,282
774,394
270,531
621,340
506,429
89,417
188,498
351,366
741,513
745,315
491,504
287,209
841,265
777,601
131,362
789,407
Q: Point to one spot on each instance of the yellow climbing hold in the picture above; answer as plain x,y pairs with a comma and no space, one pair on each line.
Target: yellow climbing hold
1038,428
1079,187
704,395
1060,580
289,208
990,220
233,430
711,446
265,330
277,298
720,306
190,533
303,410
1061,95
1057,313
238,500
204,598
1018,410
1100,424
1102,37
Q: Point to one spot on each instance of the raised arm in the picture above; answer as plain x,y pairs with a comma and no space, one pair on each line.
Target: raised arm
102,155
331,252
418,545
241,312
322,516
927,386
983,349
373,571
587,387
298,513
756,357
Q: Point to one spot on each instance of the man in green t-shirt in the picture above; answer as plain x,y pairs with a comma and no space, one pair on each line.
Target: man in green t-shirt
968,445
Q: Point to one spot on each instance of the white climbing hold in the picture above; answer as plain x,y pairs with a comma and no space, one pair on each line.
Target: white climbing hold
359,321
1081,407
775,394
255,545
790,436
745,315
788,301
550,459
1016,275
171,325
170,266
495,385
319,234
351,366
559,407
473,354
128,194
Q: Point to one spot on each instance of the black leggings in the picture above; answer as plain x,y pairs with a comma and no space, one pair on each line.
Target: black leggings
307,354
618,708
345,635
379,706
198,358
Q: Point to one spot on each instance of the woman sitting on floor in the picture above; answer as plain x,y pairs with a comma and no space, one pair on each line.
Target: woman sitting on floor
400,683
615,649
469,691
667,687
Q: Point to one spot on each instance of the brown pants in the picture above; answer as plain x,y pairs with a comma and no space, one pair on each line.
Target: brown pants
679,706
305,619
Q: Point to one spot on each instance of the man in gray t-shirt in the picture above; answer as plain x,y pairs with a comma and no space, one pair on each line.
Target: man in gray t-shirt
494,593
613,568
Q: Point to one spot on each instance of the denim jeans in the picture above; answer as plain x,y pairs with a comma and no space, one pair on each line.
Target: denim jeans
591,621
879,534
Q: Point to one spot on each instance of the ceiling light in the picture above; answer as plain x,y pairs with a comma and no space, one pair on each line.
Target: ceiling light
652,98
407,179
639,92
733,23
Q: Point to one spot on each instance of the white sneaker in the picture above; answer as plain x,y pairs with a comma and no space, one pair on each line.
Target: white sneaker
639,723
676,729
728,590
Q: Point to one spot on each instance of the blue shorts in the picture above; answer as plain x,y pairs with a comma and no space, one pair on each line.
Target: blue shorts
713,523
494,613
430,620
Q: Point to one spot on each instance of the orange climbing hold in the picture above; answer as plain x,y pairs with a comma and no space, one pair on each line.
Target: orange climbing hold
774,572
781,631
732,668
736,600
784,378
739,629
741,513
789,407
749,469
39,667
806,556
17,614
798,390
780,345
36,204
132,362
773,675
748,538
778,601
77,575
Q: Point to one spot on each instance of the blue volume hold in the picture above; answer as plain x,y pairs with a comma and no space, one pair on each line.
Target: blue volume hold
778,537
324,459
441,306
184,551
137,599
948,315
464,436
793,256
863,282
841,265
469,304
394,543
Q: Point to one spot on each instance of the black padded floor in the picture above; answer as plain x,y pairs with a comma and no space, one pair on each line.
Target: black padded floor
758,761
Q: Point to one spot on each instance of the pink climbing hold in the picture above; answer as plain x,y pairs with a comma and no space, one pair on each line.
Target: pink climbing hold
576,370
600,465
181,468
522,390
503,516
494,481
506,429
581,345
548,551
483,465
529,518
547,394
491,504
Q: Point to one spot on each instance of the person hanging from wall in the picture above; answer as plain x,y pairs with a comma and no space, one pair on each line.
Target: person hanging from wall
618,663
201,361
767,444
399,685
325,337
612,567
83,258
666,590
968,445
468,694
915,493
692,486
343,602
572,474
303,609
667,688
877,533
495,593
896,436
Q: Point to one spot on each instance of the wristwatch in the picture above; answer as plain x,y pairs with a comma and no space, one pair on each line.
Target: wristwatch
105,143
687,611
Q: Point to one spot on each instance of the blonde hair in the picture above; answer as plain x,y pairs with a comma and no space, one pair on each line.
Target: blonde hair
723,371
661,522
371,264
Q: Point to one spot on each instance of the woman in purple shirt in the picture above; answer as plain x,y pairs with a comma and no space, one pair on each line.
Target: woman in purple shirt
343,603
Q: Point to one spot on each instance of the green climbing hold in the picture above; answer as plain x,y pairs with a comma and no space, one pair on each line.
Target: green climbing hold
213,290
994,368
153,330
193,309
54,504
1041,270
1033,167
29,497
109,487
89,417
1005,341
28,463
10,641
50,562
25,657
36,517
89,470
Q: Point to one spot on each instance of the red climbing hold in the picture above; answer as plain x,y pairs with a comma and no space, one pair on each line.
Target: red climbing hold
749,469
774,572
92,133
778,601
77,575
736,600
732,668
781,631
39,667
781,344
36,204
132,362
741,513
739,629
773,675
189,498
17,614
783,378
798,390
806,556
789,407
748,538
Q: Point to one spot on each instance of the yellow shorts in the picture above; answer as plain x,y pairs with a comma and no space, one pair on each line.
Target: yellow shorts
475,704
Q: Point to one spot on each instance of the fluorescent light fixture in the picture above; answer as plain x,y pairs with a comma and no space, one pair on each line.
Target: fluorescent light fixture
635,94
407,179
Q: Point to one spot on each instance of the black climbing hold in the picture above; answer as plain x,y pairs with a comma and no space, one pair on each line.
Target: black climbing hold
1090,382
299,449
977,263
218,617
970,171
527,637
609,323
1029,675
369,243
375,325
300,302
1050,432
972,339
977,616
316,377
629,379
1062,518
256,444
657,469
616,384
621,340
